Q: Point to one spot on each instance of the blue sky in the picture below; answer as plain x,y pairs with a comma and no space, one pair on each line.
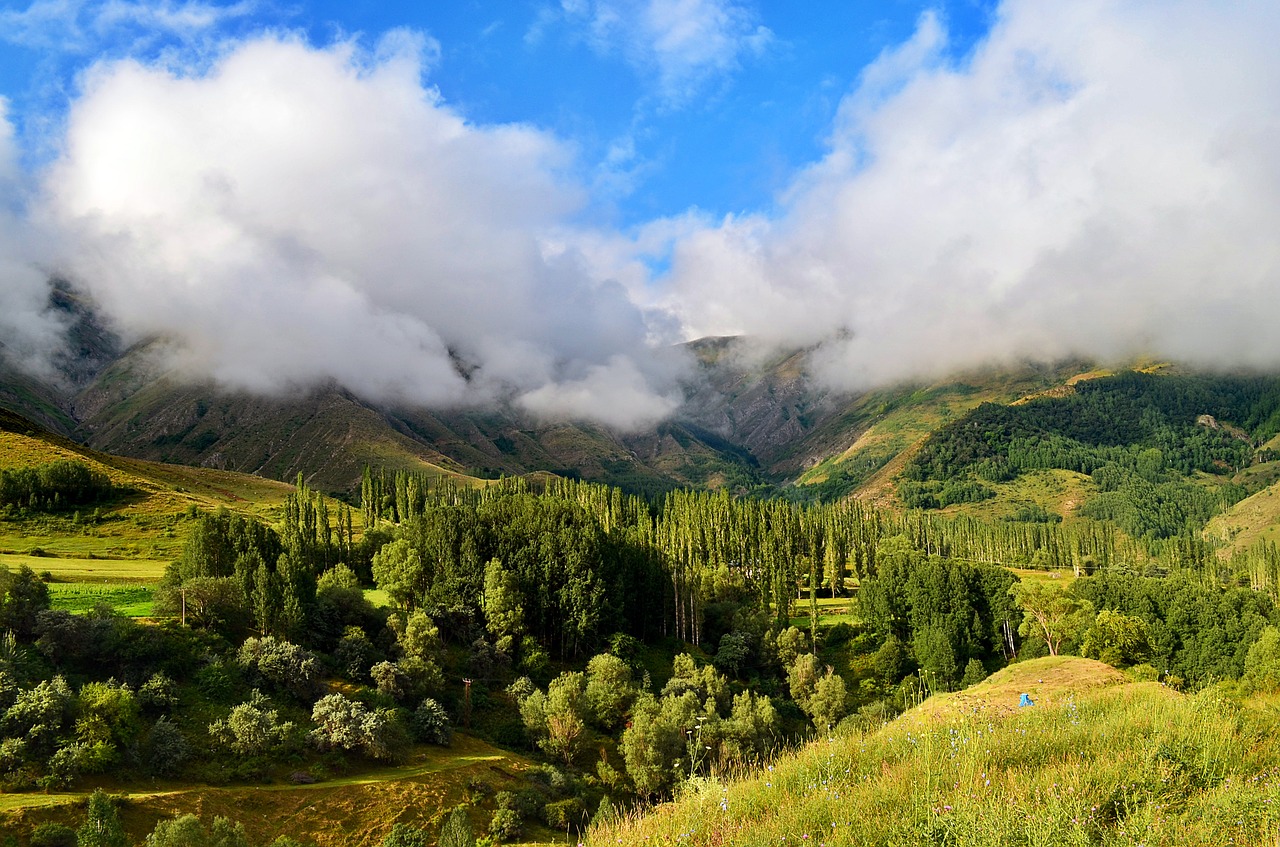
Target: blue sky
557,192
720,127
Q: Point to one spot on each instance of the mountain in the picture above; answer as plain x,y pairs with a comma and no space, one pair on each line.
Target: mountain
751,421
742,418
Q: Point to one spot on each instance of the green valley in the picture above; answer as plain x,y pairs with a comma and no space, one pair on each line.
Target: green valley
537,658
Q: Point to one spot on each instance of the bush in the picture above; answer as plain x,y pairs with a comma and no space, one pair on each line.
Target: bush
403,835
165,749
252,728
526,803
158,694
564,814
346,724
431,723
505,825
456,831
50,834
284,666
1143,673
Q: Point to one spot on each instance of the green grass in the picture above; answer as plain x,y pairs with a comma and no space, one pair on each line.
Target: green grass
77,570
132,601
379,598
1097,760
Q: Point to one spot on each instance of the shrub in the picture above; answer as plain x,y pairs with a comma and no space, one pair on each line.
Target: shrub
187,831
403,835
252,728
284,666
50,834
456,831
564,814
505,825
101,827
346,724
158,694
165,749
431,723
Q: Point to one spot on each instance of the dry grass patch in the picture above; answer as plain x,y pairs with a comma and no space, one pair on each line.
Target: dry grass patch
351,811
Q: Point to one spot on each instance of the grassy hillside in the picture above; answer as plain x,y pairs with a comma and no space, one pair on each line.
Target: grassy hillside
145,524
879,431
1254,519
1096,760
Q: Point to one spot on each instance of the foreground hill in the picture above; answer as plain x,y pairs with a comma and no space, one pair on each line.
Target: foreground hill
1096,760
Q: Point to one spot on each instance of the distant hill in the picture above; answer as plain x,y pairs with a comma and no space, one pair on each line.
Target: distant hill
750,420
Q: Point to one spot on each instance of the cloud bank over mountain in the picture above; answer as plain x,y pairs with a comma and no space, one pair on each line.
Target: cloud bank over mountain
1093,178
1097,178
292,215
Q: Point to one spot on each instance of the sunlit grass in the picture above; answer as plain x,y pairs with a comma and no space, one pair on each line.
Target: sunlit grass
89,570
1095,761
132,601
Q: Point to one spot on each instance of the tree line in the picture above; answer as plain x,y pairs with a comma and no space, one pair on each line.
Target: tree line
54,486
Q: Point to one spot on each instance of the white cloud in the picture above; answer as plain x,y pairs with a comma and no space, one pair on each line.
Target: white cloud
681,44
295,214
29,333
81,25
1098,178
616,393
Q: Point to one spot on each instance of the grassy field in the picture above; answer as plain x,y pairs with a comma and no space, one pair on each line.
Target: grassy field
132,601
69,570
1097,760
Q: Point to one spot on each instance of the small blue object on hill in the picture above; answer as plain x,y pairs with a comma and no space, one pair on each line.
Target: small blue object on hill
1026,700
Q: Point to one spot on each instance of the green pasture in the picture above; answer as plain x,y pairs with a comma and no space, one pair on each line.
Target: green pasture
133,538
132,601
